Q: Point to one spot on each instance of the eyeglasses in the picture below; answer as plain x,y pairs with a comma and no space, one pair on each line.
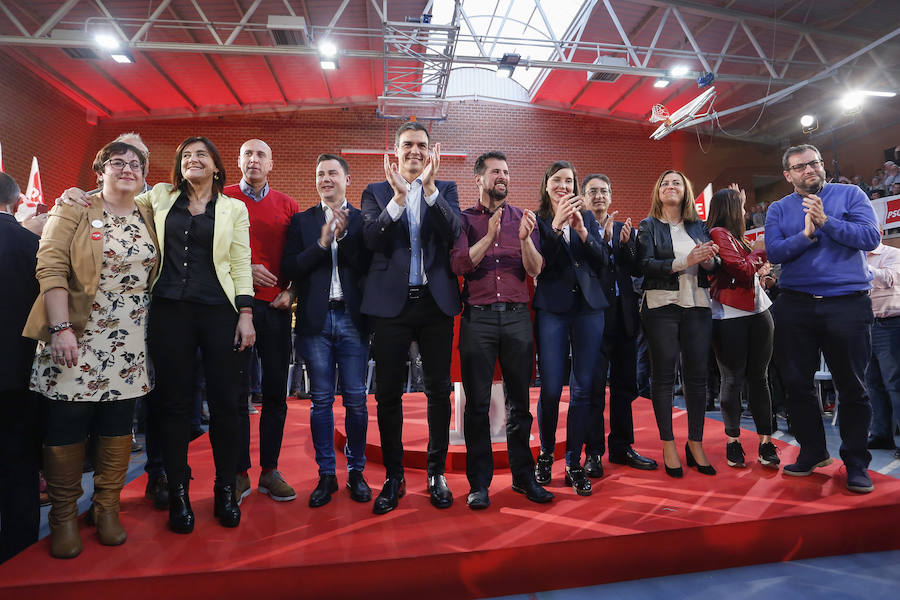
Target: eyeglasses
800,167
596,192
119,165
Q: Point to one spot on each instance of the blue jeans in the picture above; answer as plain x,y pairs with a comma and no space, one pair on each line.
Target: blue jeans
584,330
341,343
883,377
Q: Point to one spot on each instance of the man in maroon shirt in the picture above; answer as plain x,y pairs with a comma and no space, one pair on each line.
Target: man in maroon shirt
270,214
497,249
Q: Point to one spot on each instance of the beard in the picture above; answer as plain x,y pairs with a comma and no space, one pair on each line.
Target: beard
496,194
811,186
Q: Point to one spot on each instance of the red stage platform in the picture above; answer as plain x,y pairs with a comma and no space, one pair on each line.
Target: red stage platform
636,524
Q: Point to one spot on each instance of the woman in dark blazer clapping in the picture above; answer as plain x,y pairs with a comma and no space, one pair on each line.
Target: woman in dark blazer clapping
569,304
676,253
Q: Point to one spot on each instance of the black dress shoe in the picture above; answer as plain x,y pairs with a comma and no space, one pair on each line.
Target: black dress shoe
440,492
181,517
593,467
359,489
394,489
692,462
880,443
157,490
322,494
225,508
676,472
532,491
478,499
632,459
577,478
542,467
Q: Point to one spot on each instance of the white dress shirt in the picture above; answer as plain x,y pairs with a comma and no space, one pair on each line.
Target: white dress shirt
336,292
413,209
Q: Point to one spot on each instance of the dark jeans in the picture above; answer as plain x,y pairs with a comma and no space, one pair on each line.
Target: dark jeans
643,366
20,457
484,337
883,377
743,347
618,357
841,328
672,330
177,329
70,422
583,330
423,321
338,343
273,345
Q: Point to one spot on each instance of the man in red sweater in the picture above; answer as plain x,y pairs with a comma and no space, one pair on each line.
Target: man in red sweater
270,214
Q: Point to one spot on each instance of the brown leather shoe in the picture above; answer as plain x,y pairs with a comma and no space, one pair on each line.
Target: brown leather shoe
113,454
62,469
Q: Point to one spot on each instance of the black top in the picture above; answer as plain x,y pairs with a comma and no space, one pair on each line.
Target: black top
188,272
18,249
656,254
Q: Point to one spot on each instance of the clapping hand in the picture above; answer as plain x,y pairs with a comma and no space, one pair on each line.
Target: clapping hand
625,234
393,176
526,224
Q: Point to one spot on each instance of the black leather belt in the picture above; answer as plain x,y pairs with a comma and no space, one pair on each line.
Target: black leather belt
816,297
335,305
498,306
417,291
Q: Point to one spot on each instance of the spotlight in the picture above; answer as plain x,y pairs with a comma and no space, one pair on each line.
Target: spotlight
327,49
661,82
678,71
106,41
852,102
328,55
808,124
123,57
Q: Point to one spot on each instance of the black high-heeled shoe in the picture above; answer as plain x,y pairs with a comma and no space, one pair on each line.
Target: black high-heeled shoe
692,462
676,472
225,508
181,517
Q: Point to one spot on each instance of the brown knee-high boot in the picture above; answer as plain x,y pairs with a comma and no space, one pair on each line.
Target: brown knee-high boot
113,454
62,470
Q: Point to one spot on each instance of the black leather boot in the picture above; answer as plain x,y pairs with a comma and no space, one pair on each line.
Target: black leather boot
181,517
225,508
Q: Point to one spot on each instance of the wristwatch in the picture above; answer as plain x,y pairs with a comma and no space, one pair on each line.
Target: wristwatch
59,327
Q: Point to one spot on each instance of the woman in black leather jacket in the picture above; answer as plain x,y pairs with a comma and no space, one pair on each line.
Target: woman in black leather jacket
676,253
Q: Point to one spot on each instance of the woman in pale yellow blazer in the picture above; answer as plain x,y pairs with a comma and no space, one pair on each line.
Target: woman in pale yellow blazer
202,298
95,266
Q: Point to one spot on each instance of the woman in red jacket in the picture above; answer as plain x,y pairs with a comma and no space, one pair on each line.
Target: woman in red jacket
742,326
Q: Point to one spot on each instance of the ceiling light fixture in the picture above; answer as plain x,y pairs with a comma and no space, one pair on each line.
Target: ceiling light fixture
661,82
507,64
808,124
328,55
106,41
852,102
678,71
878,94
123,57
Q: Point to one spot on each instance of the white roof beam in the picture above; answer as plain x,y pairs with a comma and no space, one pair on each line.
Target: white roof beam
725,48
622,34
155,15
790,56
691,40
240,26
55,18
759,50
662,23
14,20
206,22
540,9
475,37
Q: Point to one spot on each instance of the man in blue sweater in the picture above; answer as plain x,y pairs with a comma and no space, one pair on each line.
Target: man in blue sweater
820,235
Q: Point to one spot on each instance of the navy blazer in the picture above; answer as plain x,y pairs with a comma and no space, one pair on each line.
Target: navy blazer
623,266
308,266
18,249
571,267
387,285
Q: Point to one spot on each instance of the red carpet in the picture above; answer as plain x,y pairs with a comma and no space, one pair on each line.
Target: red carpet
636,524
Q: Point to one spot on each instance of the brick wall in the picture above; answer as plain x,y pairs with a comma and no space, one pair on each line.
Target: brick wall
37,120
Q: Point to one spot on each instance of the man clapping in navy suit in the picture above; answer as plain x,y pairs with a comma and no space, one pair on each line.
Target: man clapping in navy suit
410,223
